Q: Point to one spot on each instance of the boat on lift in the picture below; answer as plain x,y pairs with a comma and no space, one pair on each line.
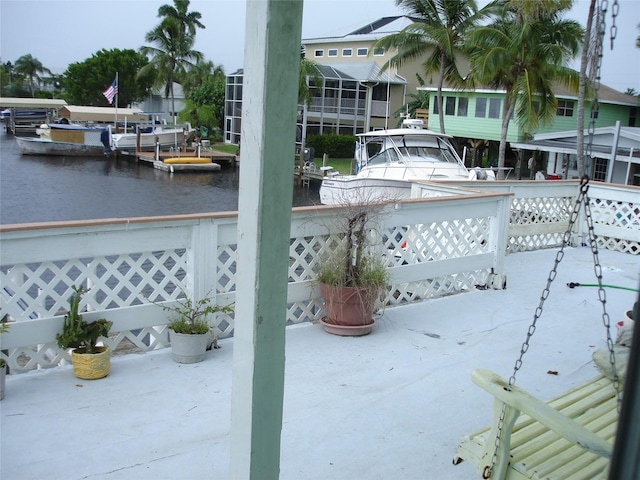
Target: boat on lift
387,162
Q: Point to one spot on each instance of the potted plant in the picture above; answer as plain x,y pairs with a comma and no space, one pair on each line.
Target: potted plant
4,328
89,360
352,276
190,334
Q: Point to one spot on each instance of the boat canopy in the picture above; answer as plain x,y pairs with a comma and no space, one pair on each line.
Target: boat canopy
77,113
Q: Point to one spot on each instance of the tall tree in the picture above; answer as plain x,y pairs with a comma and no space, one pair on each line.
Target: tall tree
173,53
85,81
31,68
438,33
591,44
525,52
179,11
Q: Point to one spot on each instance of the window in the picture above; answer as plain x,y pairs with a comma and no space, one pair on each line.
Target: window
463,106
347,52
565,108
450,106
481,107
363,52
378,51
318,53
435,106
633,111
494,108
333,52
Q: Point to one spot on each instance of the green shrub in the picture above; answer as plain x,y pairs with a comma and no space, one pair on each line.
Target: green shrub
336,146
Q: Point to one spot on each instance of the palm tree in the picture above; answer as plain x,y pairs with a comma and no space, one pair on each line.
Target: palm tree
30,67
591,45
525,52
437,32
179,11
171,57
308,69
202,71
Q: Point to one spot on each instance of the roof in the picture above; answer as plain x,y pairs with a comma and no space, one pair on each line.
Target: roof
360,71
100,114
628,142
11,102
370,32
605,94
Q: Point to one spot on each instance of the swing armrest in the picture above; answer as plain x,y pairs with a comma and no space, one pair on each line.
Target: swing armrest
543,413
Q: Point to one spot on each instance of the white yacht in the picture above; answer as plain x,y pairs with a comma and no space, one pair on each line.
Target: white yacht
387,161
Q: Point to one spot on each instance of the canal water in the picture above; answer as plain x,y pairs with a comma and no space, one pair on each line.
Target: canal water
44,189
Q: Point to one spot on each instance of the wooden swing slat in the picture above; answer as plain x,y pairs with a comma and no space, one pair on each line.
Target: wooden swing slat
569,437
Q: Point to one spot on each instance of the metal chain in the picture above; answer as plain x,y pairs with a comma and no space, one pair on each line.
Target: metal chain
581,200
602,296
615,11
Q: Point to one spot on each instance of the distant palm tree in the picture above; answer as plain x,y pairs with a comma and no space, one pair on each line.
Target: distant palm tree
30,68
588,57
525,51
438,31
202,71
179,11
308,69
172,56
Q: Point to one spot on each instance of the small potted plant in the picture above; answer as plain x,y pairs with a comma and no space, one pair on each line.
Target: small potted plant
352,277
190,334
89,360
4,328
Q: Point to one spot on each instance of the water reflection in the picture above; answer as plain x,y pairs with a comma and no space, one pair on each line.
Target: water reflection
39,189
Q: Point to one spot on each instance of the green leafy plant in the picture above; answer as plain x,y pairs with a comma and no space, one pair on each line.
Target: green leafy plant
77,333
191,317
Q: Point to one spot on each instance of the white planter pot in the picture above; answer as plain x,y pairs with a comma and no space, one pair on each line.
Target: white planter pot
186,348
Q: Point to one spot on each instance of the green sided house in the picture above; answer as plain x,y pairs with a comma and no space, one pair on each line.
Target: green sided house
474,118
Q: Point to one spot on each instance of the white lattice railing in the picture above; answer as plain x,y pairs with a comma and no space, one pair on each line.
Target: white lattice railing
432,247
540,212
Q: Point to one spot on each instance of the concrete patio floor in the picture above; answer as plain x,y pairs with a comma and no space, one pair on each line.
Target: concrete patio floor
391,405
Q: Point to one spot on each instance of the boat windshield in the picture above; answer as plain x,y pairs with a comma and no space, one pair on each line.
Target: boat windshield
393,149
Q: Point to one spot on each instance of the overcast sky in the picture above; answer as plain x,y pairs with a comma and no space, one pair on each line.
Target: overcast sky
60,32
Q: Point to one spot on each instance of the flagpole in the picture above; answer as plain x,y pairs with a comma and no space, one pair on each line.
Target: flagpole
117,88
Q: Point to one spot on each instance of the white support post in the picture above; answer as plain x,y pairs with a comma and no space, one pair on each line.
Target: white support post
272,57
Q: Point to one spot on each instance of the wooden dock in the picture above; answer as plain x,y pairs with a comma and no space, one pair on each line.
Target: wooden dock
214,155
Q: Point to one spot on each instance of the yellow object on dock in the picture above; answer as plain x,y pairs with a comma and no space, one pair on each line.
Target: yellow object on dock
187,160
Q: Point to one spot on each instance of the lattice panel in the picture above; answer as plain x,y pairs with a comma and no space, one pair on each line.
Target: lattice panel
226,268
309,311
303,254
30,357
436,241
43,289
618,214
538,211
439,287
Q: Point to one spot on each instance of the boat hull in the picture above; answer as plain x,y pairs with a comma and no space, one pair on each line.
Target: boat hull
166,138
348,189
38,146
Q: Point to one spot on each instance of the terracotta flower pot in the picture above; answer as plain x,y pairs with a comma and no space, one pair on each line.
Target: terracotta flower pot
349,310
91,366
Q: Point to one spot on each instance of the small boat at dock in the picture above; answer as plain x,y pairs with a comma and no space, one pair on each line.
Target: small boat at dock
67,140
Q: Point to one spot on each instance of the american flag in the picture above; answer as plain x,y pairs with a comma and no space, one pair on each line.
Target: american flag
112,91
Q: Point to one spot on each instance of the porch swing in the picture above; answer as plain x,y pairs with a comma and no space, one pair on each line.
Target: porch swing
572,435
